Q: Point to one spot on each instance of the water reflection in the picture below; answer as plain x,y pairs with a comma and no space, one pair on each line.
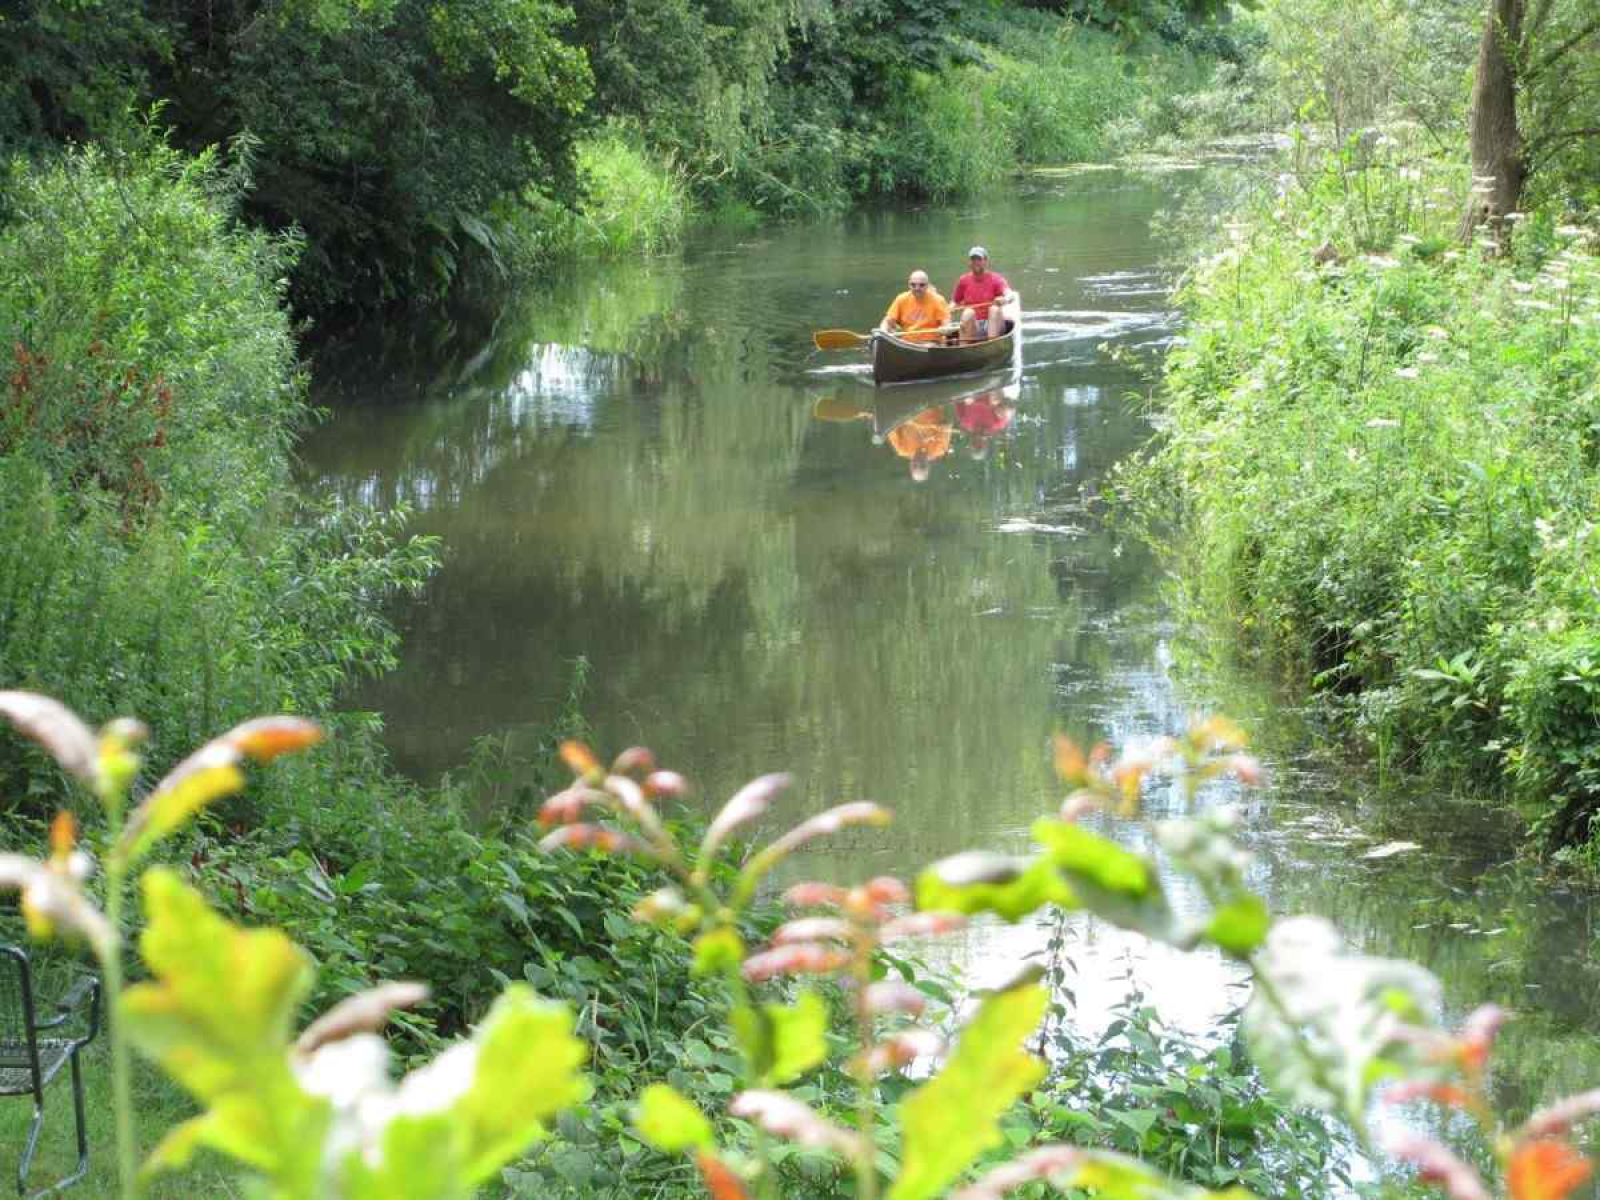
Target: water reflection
648,466
919,424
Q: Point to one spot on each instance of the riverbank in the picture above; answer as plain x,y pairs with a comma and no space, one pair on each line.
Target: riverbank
1379,446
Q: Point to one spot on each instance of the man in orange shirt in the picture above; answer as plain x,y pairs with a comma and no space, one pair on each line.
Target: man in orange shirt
924,439
919,312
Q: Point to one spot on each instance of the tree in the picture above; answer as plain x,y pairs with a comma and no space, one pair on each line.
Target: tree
1535,99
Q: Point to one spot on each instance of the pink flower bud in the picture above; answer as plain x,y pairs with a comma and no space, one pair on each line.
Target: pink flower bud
805,958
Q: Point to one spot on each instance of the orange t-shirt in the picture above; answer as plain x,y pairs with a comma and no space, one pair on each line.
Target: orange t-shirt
913,312
928,433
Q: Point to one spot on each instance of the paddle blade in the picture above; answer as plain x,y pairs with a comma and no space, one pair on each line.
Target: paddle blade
839,339
833,408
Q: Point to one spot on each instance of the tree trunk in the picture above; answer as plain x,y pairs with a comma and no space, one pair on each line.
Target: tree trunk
1498,164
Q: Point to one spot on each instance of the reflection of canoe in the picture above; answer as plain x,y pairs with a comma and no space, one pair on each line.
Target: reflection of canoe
894,408
896,360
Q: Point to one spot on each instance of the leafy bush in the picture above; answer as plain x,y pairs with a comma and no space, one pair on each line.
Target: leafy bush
1383,448
158,560
318,1115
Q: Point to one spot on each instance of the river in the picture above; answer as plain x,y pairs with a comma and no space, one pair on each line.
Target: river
648,466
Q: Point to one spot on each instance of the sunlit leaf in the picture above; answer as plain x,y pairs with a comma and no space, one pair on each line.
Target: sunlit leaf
669,1122
1108,880
717,951
207,774
216,1015
527,1071
1325,1029
55,727
782,1041
954,1117
1240,926
420,1156
978,881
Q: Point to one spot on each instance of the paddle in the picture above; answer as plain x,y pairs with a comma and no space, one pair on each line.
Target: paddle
833,408
844,339
840,339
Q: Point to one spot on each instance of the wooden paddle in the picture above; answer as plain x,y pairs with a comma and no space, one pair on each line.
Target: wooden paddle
844,339
833,408
840,339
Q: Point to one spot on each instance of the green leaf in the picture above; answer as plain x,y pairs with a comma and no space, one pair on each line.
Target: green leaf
782,1042
951,1119
1139,1120
1321,1023
1109,880
979,882
717,951
527,1070
1240,925
669,1122
216,1016
421,1157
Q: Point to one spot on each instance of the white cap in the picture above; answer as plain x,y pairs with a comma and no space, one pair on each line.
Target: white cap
977,252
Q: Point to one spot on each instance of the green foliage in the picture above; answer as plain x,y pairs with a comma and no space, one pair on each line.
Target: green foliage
952,1118
68,70
1196,1108
1388,479
217,1017
145,424
322,1117
669,1122
410,145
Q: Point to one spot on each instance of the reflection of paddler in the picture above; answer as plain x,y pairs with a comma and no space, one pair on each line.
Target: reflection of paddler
923,439
982,417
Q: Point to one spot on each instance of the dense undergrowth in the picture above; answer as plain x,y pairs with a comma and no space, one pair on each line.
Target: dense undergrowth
1380,447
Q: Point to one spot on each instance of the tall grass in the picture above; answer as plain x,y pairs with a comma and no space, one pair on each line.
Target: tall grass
632,205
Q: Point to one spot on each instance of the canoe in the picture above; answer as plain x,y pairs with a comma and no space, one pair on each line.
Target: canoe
896,360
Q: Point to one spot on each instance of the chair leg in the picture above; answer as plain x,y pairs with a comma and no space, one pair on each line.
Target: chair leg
83,1128
30,1146
59,1185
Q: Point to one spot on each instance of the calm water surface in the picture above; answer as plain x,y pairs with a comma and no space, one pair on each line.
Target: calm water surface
648,466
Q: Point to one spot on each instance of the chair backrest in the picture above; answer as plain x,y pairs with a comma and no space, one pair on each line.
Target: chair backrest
16,996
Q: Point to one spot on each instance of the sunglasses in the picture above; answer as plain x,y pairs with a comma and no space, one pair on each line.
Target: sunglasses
917,285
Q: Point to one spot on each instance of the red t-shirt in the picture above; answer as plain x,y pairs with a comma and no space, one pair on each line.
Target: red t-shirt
983,416
971,289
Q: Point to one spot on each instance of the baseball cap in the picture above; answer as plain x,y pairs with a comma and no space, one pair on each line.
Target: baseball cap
977,252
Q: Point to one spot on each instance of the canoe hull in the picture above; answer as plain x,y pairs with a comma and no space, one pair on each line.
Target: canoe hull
895,360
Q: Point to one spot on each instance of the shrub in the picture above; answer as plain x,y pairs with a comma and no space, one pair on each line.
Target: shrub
1382,452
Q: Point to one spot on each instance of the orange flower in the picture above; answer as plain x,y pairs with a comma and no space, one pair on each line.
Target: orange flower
1545,1169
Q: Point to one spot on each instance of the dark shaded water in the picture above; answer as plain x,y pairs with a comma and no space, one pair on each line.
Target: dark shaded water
649,467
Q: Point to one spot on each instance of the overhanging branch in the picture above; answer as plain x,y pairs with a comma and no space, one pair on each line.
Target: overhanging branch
1556,53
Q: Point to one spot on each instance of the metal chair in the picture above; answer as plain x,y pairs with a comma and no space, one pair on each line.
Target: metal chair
30,1059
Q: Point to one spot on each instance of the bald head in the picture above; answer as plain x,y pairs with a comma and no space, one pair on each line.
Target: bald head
918,280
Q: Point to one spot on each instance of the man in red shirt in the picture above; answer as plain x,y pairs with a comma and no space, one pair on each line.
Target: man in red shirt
985,292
